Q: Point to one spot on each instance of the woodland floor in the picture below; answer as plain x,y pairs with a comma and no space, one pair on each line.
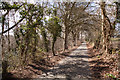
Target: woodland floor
101,67
73,67
36,68
78,63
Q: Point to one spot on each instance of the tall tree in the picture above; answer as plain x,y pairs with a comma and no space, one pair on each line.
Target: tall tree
54,28
106,28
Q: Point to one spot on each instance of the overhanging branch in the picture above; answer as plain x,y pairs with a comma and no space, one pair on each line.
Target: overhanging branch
12,26
16,23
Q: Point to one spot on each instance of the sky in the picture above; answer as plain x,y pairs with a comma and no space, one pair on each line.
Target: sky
17,16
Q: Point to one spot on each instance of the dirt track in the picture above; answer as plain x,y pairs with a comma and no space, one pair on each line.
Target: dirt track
73,67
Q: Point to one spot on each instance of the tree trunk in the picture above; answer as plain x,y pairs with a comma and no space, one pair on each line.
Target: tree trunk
35,43
78,35
43,33
103,32
53,44
25,53
97,42
65,40
2,36
8,36
118,10
74,38
118,19
4,63
106,29
81,36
